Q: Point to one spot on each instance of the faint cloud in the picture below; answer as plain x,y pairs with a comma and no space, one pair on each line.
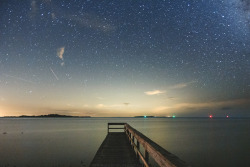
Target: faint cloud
74,112
154,92
61,111
100,106
53,16
47,1
69,105
100,98
2,99
222,105
85,105
245,4
126,104
181,85
113,106
86,20
90,21
34,9
161,108
171,98
226,108
60,52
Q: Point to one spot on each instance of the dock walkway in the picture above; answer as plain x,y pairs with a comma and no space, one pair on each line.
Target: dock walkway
123,149
115,151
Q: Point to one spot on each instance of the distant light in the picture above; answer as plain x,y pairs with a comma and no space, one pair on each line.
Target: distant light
145,116
227,116
210,116
173,116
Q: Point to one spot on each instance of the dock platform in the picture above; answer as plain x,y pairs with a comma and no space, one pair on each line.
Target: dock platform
123,149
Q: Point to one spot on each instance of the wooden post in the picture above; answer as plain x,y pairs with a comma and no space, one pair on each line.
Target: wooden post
133,141
146,156
108,128
138,147
130,135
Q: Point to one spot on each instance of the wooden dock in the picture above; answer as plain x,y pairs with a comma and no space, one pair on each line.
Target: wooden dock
123,149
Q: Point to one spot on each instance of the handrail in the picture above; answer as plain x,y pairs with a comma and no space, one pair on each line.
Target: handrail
138,153
113,123
116,124
159,154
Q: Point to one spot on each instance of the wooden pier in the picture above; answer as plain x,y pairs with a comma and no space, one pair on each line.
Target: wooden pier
124,149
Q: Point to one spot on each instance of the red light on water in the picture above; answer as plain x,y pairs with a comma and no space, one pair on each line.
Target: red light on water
227,116
210,116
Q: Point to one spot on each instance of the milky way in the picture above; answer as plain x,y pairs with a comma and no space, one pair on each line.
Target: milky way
125,58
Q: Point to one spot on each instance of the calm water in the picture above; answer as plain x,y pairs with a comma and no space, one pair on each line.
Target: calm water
72,142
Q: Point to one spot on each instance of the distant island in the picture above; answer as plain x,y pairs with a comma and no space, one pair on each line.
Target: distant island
47,116
145,116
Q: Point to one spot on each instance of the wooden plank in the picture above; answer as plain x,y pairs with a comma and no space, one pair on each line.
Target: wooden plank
115,151
159,154
116,123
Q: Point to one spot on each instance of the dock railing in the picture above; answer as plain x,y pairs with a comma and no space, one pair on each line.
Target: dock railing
111,126
161,156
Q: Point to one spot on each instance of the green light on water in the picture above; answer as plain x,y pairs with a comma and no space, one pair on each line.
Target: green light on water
145,116
173,116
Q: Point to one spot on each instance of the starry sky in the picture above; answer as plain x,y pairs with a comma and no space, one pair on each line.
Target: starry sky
125,58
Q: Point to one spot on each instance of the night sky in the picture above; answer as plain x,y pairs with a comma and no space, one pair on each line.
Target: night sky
125,57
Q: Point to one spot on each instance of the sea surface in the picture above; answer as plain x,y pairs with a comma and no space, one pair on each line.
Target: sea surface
73,142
